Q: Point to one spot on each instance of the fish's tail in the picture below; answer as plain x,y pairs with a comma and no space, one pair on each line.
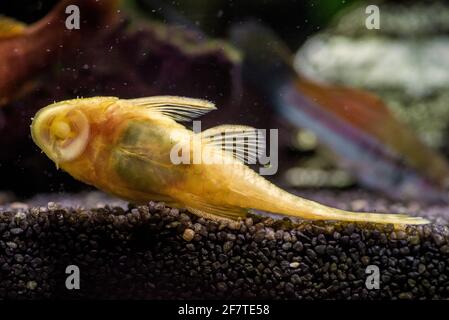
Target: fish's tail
265,196
292,205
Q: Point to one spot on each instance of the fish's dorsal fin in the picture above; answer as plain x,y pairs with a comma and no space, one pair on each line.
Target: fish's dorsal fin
10,27
177,108
244,142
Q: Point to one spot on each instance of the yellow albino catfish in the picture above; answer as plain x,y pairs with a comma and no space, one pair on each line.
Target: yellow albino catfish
125,147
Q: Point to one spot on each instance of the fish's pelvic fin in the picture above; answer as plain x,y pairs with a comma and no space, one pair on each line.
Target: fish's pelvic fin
244,142
178,108
226,216
10,27
197,205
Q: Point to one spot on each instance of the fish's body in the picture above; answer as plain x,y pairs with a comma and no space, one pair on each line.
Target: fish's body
126,148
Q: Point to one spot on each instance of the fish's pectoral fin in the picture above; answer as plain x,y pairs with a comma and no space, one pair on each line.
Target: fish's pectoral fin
10,27
177,108
243,142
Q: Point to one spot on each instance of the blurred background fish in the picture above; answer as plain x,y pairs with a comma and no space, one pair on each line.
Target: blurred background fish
357,126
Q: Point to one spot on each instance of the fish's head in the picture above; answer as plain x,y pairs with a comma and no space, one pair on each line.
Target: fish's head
62,130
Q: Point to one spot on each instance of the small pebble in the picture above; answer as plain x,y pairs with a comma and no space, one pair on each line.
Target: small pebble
294,265
188,234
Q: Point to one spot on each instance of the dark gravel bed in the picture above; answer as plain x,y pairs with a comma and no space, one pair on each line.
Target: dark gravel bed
153,251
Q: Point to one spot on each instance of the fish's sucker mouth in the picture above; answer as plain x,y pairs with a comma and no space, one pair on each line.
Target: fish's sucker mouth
61,132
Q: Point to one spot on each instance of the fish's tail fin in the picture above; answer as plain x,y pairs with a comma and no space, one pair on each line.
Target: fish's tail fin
263,195
292,205
365,217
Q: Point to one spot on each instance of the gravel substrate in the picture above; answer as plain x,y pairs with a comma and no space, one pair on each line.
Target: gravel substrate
153,251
